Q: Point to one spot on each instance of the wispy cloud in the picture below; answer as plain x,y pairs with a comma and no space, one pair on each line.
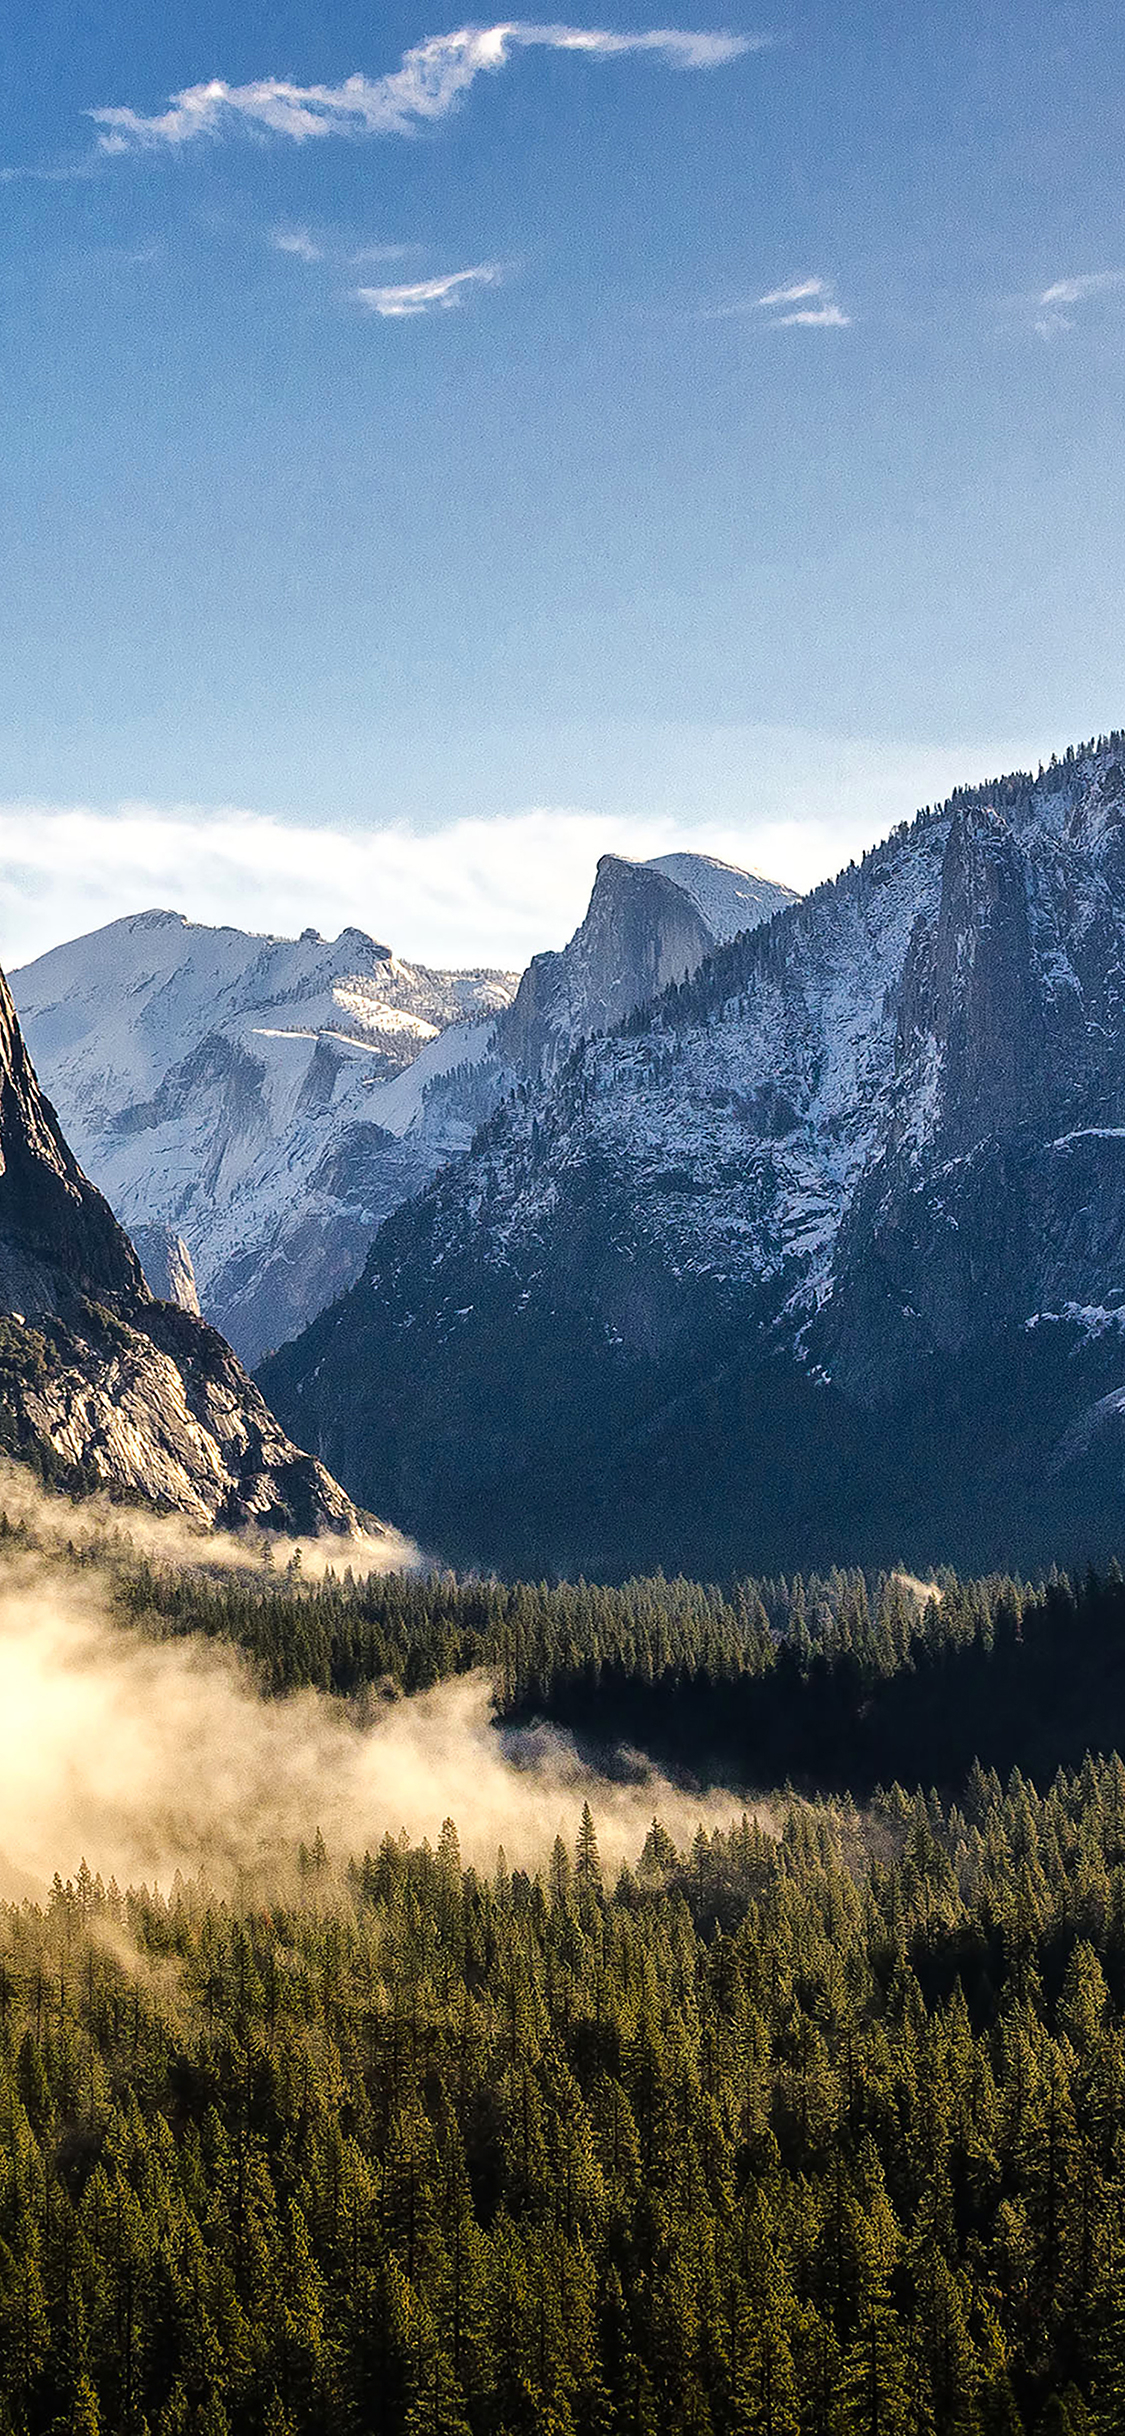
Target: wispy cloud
802,290
429,82
812,304
296,241
426,295
815,317
1075,291
1051,315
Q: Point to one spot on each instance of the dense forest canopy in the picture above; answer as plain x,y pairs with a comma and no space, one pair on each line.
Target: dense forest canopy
816,2130
840,1683
811,2125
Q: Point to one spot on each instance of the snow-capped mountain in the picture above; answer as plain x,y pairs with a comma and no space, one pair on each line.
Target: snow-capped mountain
99,1383
228,1090
821,1254
647,924
267,1102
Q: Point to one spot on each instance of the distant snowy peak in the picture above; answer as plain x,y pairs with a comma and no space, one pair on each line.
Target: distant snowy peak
729,899
267,1102
647,925
224,1088
135,997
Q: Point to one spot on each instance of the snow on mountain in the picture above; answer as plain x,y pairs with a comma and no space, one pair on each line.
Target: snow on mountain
227,1087
269,1101
758,1267
729,900
647,924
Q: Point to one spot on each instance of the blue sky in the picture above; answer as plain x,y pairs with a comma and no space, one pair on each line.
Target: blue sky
593,535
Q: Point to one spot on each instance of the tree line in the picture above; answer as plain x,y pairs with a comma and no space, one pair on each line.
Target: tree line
839,1682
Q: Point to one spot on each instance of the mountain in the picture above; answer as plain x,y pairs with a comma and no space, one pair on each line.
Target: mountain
100,1383
167,1266
819,1256
266,1102
647,924
226,1089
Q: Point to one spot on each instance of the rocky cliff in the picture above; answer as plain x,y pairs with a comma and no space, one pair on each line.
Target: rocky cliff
101,1384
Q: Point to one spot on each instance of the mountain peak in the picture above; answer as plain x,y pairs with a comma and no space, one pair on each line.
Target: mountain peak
729,898
647,925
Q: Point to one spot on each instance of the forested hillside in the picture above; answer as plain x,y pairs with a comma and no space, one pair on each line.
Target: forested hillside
809,2125
812,2131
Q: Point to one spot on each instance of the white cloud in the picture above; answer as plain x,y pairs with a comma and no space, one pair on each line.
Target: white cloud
813,301
1050,318
814,306
803,289
482,889
1075,291
430,81
298,242
818,317
424,295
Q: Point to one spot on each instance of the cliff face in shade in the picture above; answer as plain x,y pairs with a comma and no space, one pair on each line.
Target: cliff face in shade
820,1256
49,1216
99,1382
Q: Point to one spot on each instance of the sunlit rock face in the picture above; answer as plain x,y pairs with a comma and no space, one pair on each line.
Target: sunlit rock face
100,1383
213,1084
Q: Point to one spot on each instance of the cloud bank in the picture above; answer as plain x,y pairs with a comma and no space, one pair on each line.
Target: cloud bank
486,889
427,85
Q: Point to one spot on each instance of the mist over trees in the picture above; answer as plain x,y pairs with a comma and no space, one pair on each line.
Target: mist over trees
802,2126
809,2130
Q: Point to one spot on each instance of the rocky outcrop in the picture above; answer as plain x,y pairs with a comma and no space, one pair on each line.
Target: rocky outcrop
166,1262
640,932
647,925
100,1383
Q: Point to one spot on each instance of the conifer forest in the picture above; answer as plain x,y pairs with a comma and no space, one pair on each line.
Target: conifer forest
811,2123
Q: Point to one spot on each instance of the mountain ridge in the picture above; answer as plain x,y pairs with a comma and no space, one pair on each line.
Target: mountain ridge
811,1183
270,1101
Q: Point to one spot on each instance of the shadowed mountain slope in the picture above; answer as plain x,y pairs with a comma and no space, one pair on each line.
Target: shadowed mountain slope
821,1254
